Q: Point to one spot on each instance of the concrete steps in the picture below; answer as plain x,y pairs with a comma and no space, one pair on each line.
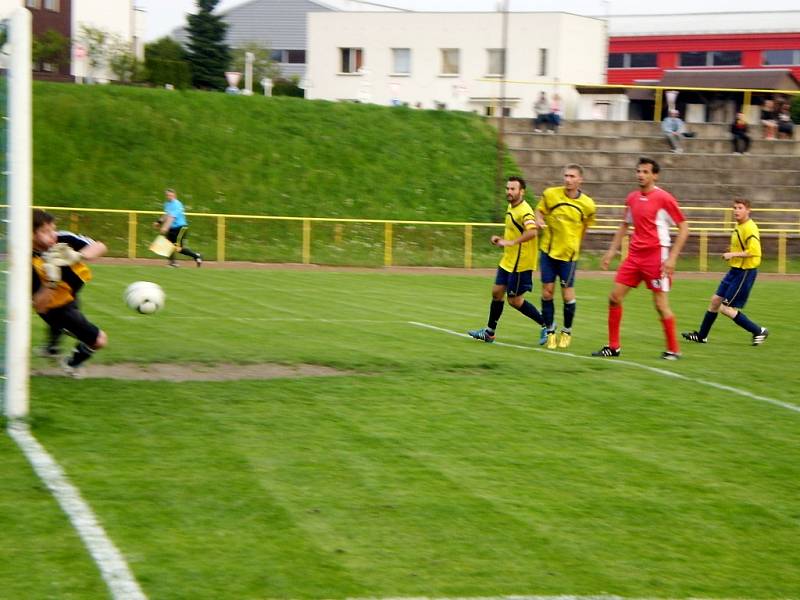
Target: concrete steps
707,176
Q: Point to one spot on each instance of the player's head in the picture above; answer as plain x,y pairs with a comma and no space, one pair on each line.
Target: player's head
573,176
170,194
44,230
515,189
647,173
741,209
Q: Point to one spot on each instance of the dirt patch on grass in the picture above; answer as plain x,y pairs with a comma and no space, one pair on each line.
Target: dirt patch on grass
196,371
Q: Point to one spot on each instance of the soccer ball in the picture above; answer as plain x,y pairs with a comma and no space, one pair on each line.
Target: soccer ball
144,297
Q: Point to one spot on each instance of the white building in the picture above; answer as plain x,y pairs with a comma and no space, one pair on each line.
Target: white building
453,60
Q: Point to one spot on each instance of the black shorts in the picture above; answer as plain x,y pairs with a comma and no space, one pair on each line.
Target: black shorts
177,235
70,320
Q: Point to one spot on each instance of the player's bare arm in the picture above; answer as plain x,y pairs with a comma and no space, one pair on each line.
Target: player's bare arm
166,223
94,250
525,237
683,234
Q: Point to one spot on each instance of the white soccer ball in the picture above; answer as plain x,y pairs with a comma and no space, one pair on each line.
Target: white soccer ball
144,297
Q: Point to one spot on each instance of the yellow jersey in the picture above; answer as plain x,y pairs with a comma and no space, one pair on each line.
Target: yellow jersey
745,238
567,219
521,257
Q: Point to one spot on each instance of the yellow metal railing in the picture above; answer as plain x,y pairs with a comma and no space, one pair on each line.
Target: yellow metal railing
781,230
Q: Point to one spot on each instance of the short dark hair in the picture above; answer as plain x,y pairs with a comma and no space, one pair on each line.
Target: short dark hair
744,201
644,160
41,218
574,167
519,180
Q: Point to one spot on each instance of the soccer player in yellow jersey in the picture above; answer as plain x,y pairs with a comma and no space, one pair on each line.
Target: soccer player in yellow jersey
743,258
563,214
515,273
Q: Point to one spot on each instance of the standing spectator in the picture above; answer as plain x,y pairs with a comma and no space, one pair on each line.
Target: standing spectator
563,214
785,123
673,129
651,211
740,139
542,111
174,226
743,256
515,273
59,273
769,119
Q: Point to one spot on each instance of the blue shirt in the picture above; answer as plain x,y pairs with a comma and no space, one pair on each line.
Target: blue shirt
174,208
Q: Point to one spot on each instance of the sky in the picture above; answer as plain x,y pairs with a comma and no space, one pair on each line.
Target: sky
164,15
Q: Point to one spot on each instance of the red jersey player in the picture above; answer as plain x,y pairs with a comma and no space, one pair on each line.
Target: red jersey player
651,259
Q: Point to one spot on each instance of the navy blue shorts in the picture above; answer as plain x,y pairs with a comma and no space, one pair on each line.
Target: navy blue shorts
735,287
516,283
552,268
71,320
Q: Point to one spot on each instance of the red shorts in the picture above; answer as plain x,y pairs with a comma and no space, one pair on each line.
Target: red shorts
647,267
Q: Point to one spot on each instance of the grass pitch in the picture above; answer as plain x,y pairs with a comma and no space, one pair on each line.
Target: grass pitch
436,466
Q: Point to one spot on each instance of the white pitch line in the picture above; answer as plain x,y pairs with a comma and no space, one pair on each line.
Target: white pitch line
113,568
628,363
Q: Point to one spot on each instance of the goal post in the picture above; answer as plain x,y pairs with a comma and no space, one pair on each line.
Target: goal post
18,126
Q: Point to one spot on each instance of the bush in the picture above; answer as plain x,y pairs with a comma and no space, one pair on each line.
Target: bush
288,87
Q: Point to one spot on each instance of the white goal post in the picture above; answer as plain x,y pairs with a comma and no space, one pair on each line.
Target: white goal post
19,167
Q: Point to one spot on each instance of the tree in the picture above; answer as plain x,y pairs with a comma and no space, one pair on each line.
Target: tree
209,55
50,47
96,41
122,61
166,63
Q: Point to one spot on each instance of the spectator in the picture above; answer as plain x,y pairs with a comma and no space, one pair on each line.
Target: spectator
674,129
542,111
785,124
740,139
769,119
555,113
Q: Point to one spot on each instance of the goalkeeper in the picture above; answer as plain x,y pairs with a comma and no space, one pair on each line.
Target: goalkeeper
59,273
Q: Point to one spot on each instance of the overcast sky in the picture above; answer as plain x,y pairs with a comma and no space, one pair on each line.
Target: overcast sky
165,15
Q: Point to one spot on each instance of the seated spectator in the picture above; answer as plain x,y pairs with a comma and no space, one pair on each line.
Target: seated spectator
542,111
674,130
769,119
555,113
740,139
785,123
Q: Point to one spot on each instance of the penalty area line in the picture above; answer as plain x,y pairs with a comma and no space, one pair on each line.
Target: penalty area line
629,363
113,568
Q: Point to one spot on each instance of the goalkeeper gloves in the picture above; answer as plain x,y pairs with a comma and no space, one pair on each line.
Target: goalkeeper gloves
53,274
63,255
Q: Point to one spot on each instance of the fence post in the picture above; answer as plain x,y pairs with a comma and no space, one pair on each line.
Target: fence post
221,239
132,222
306,242
782,252
746,101
467,246
624,247
659,93
387,244
703,251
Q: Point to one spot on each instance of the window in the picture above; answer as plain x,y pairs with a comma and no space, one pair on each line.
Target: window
401,61
32,3
715,58
52,5
632,60
295,57
780,57
352,59
542,62
497,61
726,59
693,59
616,60
450,61
639,60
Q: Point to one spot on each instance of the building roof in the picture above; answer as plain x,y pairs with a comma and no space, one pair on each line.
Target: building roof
759,79
705,23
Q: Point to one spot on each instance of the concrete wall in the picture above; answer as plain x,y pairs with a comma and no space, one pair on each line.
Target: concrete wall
576,53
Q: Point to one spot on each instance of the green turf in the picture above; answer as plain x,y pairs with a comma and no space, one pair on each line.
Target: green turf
436,466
